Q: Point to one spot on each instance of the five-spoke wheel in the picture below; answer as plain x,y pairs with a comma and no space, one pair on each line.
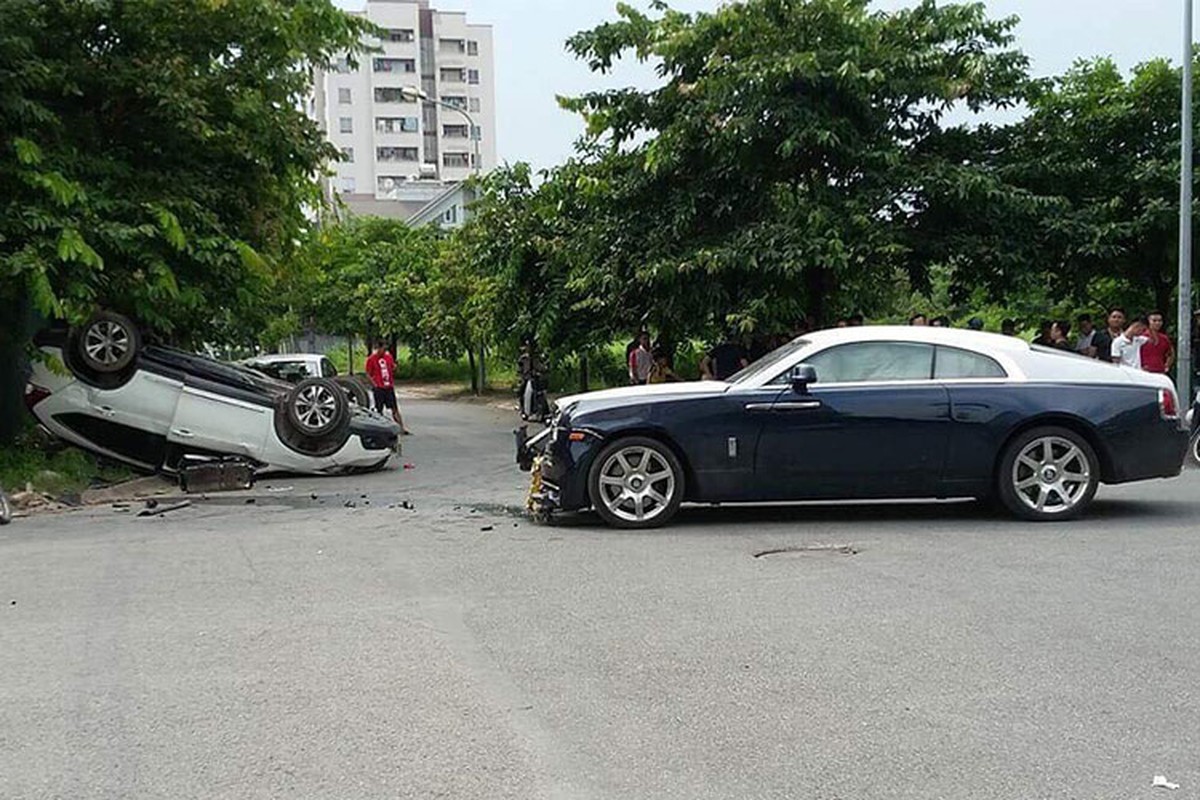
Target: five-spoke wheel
636,482
1048,474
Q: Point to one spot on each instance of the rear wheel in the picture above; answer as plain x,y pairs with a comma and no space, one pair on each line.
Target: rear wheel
108,343
5,509
1048,474
636,483
1194,448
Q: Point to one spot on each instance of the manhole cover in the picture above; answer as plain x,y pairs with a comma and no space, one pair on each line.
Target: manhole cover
811,549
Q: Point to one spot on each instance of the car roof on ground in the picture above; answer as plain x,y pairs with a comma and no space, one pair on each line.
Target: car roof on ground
283,357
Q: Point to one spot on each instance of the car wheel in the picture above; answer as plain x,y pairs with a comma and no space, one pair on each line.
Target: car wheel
1048,474
5,509
108,343
317,407
1194,448
636,483
358,395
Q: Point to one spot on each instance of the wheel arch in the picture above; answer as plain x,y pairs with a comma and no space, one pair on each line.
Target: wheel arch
664,438
1073,423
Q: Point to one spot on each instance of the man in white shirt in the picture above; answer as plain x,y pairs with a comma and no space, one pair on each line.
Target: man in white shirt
1127,348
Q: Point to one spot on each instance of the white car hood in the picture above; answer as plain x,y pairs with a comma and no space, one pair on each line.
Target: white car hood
652,390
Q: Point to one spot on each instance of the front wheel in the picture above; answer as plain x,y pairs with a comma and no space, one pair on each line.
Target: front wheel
1048,474
1194,448
636,483
317,407
5,509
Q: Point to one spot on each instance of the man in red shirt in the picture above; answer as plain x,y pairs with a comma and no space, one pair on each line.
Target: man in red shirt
381,369
1158,354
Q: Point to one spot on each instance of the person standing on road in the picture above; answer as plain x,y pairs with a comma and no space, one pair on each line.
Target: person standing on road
724,360
1127,347
381,369
1103,341
641,360
1158,353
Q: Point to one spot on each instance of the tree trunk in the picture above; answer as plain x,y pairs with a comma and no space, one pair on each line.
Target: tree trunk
816,282
583,373
474,374
350,353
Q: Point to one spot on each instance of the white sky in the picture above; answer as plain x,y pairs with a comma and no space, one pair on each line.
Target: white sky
532,65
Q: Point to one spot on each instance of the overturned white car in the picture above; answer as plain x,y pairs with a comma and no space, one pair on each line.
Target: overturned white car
100,388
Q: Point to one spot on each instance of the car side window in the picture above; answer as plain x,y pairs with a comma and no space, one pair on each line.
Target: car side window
328,370
864,362
953,363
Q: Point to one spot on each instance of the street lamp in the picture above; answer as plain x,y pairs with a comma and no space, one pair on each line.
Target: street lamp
420,94
1184,379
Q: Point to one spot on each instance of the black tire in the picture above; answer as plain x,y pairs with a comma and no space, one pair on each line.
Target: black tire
5,509
358,393
645,458
1194,448
107,344
317,408
1048,485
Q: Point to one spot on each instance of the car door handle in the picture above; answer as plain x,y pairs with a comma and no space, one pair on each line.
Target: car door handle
183,432
798,405
106,410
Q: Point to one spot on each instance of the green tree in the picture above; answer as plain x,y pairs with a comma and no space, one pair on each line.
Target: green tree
155,157
786,160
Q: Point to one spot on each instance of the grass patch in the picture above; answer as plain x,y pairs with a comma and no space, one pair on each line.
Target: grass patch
53,468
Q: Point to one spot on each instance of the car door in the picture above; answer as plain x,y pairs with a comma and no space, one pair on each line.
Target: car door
874,425
981,410
221,413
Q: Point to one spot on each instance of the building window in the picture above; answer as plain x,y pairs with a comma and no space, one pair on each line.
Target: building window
453,46
401,35
395,65
348,186
397,125
342,64
456,159
476,106
346,124
456,101
388,186
454,131
344,96
348,155
396,153
472,48
392,94
477,133
451,215
473,77
453,75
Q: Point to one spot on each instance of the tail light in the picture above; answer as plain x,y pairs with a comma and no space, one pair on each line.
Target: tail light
34,394
1168,404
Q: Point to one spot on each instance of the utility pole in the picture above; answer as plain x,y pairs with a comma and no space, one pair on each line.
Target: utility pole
1184,378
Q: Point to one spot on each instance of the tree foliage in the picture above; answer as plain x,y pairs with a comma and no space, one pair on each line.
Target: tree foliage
155,157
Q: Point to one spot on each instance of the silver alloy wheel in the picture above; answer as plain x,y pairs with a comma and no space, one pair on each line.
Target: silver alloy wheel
1051,475
315,407
107,342
636,484
5,509
1196,447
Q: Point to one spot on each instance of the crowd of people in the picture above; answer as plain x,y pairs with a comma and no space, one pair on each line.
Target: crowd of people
1140,342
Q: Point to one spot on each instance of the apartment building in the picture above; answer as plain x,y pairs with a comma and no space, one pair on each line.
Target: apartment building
403,153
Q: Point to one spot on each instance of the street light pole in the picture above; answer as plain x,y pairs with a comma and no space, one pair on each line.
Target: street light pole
1184,378
421,94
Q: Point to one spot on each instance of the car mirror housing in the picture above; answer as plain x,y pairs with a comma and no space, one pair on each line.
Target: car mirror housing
803,375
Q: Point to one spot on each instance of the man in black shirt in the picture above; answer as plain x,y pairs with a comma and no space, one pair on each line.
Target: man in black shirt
724,360
1103,339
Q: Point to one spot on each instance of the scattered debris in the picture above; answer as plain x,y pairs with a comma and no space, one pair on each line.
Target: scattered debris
1161,782
351,504
407,506
312,496
278,489
487,528
251,501
828,549
410,466
156,509
151,503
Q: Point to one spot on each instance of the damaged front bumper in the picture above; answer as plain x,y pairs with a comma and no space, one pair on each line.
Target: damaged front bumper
543,498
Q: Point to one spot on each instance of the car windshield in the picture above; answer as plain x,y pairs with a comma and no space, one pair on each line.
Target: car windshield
771,363
290,371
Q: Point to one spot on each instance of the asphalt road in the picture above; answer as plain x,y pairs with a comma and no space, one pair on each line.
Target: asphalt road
300,648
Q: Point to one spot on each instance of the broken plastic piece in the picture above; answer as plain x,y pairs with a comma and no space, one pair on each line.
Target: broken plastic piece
150,511
1161,782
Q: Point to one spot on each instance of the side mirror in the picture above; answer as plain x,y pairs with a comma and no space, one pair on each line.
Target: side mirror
802,376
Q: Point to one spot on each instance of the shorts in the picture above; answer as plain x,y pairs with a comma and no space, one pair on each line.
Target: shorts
385,397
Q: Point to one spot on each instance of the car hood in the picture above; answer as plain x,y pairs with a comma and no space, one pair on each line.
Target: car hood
634,394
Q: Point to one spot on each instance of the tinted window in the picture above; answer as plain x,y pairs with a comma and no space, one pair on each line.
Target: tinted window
328,370
874,361
953,363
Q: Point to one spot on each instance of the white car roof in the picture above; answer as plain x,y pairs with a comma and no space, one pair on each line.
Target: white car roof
951,337
284,358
